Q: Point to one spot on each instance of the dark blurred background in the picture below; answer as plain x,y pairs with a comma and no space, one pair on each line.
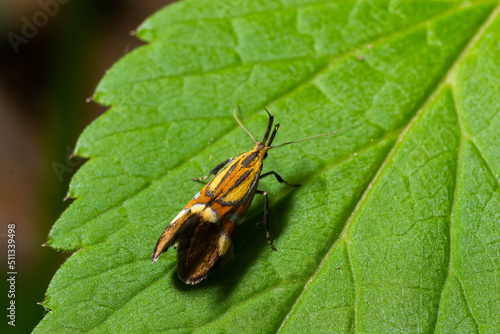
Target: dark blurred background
52,56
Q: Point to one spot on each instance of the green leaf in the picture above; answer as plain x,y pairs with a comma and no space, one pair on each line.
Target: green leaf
396,225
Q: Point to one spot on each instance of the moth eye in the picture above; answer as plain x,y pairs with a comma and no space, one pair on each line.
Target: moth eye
265,155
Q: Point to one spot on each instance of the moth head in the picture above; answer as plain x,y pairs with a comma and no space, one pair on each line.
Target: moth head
263,146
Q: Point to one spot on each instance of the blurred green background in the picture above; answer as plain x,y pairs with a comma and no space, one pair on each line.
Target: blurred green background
44,82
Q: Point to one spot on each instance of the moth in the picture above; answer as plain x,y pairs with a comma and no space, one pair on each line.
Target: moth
205,228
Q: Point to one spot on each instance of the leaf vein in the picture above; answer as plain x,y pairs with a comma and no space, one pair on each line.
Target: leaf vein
102,272
140,291
330,59
247,300
469,308
450,223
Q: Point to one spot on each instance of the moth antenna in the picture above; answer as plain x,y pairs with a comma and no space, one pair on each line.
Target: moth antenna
241,124
312,137
269,127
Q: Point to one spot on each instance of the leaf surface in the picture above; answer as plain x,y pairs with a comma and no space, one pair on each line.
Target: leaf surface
396,225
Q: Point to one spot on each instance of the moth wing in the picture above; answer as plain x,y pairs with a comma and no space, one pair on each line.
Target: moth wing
171,233
201,247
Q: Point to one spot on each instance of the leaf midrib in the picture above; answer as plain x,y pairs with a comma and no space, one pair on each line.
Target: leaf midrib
447,79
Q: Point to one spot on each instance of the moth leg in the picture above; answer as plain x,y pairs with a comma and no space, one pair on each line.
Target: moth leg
214,171
266,218
279,178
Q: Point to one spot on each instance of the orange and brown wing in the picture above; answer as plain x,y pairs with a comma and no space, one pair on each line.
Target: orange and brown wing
202,244
170,234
